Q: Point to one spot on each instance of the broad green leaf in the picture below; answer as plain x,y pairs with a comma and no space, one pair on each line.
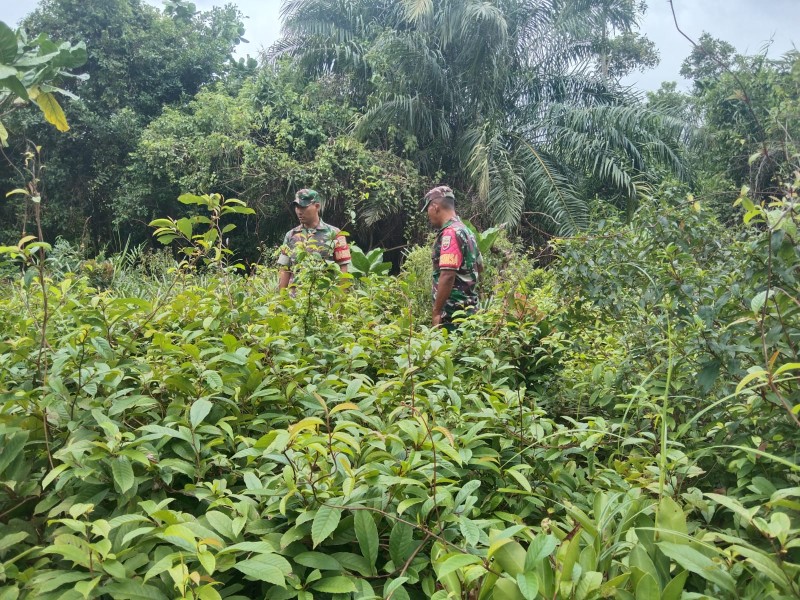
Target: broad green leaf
758,301
158,431
123,473
356,563
408,503
674,589
8,44
510,555
641,564
787,367
755,373
470,531
180,535
454,562
400,542
263,568
242,210
520,478
191,199
207,592
12,445
208,561
763,563
588,583
221,523
528,584
52,111
185,227
691,560
132,590
325,522
71,57
72,553
505,589
84,588
708,375
734,505
213,379
334,585
16,87
345,405
318,560
367,535
393,586
199,411
360,261
567,554
163,564
669,519
540,548
52,580
257,547
647,588
12,539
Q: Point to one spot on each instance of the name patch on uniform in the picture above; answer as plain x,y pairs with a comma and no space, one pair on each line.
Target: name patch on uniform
449,260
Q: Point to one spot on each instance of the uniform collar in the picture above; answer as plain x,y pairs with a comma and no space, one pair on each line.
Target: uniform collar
449,223
321,226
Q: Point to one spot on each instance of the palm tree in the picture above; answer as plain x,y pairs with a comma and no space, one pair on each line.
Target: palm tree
490,93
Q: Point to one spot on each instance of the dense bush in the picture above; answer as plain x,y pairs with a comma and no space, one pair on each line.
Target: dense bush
208,437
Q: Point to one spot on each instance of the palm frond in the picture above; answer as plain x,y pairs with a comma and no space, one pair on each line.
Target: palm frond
473,152
551,191
506,198
416,10
408,113
616,143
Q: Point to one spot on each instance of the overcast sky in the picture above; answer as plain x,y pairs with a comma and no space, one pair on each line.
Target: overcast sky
747,24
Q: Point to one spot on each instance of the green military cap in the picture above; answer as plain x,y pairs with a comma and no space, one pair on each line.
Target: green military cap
305,197
441,191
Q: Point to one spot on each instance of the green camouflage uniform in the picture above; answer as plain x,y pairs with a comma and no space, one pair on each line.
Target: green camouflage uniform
456,249
324,240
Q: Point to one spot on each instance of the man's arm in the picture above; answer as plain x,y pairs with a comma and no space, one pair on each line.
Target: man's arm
284,277
341,252
447,279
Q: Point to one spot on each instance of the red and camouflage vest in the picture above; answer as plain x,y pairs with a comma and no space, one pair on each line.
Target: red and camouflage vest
456,249
324,240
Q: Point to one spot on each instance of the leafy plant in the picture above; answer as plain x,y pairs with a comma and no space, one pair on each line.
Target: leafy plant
368,264
30,71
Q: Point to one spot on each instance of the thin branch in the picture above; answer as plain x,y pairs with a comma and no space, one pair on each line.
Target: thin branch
746,96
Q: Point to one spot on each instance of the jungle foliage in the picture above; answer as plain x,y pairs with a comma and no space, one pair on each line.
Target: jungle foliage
622,424
528,131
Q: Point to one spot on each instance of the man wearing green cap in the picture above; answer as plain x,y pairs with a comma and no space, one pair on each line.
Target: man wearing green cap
312,235
457,260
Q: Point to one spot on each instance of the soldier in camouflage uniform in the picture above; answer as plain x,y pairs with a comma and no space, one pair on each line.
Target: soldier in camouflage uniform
457,260
312,235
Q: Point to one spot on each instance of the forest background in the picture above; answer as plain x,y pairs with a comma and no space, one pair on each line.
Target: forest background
620,420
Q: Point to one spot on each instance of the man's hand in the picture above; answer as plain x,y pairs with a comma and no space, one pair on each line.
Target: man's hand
437,319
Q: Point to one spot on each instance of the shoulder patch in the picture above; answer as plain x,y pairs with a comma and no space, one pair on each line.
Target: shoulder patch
446,241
